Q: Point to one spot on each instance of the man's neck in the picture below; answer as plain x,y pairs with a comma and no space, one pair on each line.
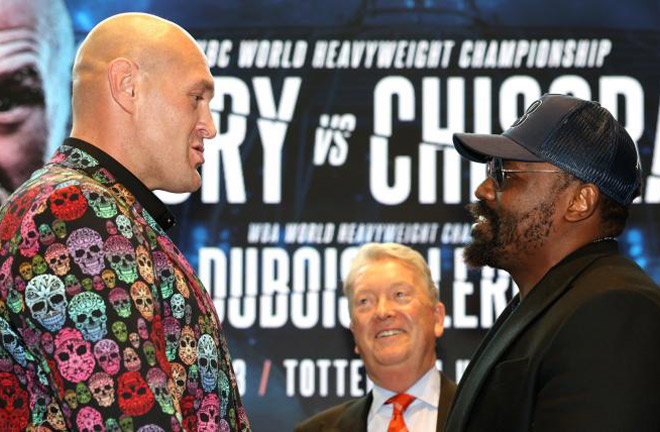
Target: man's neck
400,379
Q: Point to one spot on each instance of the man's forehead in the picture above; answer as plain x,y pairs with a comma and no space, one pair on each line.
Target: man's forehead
19,48
20,13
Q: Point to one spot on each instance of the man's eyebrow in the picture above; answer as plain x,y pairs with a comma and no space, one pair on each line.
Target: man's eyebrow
209,86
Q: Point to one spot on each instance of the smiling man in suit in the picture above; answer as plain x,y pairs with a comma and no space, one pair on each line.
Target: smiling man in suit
578,349
395,319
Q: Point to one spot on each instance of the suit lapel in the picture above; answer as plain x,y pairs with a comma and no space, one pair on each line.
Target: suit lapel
447,391
354,419
507,329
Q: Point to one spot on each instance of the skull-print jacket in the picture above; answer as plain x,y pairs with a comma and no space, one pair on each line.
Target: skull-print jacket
104,324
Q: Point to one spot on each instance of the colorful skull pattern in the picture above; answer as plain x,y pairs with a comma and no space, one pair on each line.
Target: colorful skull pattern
103,325
58,259
87,310
46,299
135,396
86,247
107,355
73,355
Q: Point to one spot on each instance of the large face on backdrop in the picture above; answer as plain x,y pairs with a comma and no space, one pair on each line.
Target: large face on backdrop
394,321
23,125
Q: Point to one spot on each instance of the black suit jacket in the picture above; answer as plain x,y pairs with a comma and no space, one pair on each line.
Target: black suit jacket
580,353
352,416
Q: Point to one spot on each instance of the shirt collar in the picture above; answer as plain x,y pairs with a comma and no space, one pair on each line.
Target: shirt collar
426,390
147,199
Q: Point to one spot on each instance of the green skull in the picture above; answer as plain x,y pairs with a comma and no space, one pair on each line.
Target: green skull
126,423
87,284
60,228
151,235
232,418
39,265
71,284
46,234
39,410
14,242
158,382
120,331
102,176
82,393
193,373
15,301
111,425
150,352
71,399
101,202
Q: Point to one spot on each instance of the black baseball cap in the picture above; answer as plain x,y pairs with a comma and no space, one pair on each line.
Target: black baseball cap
578,136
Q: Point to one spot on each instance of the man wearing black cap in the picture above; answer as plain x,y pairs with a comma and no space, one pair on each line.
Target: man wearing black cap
579,348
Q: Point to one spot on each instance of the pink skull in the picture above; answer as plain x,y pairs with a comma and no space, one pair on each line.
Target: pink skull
86,247
142,328
47,342
106,352
89,420
5,276
131,360
58,259
120,301
29,238
111,228
208,416
102,387
73,355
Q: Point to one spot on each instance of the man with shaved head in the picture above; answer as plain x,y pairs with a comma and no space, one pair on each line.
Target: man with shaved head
36,45
104,323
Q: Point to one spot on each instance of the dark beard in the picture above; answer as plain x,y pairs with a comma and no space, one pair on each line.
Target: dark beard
506,245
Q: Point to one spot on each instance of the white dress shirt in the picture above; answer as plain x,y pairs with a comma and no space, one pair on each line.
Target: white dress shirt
421,415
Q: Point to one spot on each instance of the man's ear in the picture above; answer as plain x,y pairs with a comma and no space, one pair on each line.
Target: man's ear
439,325
356,349
584,202
122,77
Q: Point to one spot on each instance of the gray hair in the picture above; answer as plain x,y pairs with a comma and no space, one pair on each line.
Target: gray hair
371,252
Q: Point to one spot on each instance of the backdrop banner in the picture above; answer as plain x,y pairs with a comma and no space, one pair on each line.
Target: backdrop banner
335,136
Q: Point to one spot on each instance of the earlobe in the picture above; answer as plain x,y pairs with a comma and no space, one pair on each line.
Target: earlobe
122,78
583,202
439,327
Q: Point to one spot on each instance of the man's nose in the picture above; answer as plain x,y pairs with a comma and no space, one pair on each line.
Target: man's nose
383,308
486,190
207,125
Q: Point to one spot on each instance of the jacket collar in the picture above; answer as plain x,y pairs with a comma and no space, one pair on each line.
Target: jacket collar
84,157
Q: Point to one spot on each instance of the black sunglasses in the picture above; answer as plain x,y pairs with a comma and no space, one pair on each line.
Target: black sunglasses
495,170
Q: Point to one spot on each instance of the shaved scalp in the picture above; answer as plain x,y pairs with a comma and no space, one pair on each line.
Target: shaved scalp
144,39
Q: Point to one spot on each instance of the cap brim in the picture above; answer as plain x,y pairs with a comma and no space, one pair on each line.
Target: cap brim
484,147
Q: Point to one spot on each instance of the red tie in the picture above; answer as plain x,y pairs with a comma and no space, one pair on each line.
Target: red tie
399,403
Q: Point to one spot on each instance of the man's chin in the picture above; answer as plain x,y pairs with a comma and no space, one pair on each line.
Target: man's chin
479,254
